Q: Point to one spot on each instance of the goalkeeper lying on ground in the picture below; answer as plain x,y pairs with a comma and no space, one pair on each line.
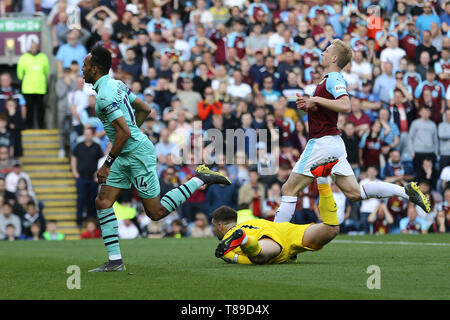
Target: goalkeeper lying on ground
258,241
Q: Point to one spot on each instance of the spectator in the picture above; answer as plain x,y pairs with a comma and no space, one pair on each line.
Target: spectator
396,171
370,146
6,162
252,193
111,45
131,65
15,126
52,232
272,202
70,51
428,16
423,138
10,233
127,229
84,163
428,173
7,91
177,230
392,53
64,84
443,217
351,141
431,94
12,178
389,129
33,69
5,135
380,219
413,224
32,215
426,46
384,83
8,217
201,228
358,117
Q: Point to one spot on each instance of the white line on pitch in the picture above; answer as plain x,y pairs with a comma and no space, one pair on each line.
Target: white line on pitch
393,242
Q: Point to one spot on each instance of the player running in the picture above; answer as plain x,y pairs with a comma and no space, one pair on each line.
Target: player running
132,160
330,97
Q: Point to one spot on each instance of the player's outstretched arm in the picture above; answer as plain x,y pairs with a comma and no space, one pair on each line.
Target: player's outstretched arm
142,110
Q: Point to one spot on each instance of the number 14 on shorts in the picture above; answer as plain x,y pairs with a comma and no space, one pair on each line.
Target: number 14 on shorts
139,183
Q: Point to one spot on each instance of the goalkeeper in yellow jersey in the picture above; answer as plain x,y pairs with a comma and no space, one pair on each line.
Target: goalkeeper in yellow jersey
259,241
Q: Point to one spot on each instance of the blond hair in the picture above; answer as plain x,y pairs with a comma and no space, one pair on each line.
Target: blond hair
343,51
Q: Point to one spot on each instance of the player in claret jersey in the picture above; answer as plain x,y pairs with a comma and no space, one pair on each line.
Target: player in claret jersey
325,146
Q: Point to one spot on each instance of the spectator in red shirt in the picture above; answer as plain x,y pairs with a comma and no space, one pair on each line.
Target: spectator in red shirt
358,117
92,231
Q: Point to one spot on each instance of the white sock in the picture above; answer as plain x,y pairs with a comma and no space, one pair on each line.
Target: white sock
380,189
115,257
198,181
286,209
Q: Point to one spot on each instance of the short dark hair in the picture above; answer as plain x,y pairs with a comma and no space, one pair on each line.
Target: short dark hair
224,214
31,203
101,57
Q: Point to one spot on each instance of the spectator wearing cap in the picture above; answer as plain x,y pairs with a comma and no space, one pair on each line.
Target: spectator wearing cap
423,139
434,99
13,177
428,16
392,52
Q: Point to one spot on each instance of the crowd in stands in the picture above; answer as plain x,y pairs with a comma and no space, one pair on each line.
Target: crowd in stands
238,64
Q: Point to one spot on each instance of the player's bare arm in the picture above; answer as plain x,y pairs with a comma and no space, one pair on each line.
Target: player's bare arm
142,111
121,138
339,105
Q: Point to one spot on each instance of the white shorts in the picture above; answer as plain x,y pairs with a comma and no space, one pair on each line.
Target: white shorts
320,148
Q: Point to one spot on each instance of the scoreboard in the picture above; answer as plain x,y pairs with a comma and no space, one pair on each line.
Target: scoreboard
16,35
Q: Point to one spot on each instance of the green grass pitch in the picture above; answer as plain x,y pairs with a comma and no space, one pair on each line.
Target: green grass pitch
411,266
